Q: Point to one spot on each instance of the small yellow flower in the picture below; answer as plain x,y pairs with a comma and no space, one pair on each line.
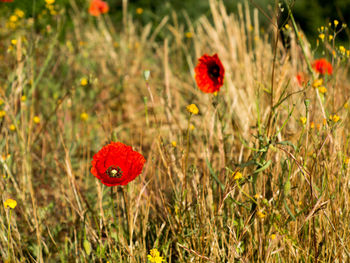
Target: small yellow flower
317,83
12,127
1,101
303,120
139,11
192,108
335,118
50,2
173,143
154,256
346,105
322,89
19,13
330,37
84,116
14,42
261,214
115,44
257,196
188,35
348,53
336,22
13,18
23,98
237,175
321,36
192,127
2,114
10,203
342,49
84,82
322,28
273,236
287,26
36,119
347,161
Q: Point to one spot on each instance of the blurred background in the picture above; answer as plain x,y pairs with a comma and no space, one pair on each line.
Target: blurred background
310,15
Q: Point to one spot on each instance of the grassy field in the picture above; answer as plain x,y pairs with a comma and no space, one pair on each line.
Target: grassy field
261,174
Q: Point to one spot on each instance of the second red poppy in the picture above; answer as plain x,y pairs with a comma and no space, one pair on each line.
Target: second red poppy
209,73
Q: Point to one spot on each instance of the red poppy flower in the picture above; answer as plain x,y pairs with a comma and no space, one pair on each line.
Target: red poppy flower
209,73
117,164
6,1
322,66
98,7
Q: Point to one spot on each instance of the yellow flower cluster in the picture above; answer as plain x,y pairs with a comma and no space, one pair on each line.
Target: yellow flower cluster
192,108
50,6
154,256
335,118
237,175
15,19
10,203
303,120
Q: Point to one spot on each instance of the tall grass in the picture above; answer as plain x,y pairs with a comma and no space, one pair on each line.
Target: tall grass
291,203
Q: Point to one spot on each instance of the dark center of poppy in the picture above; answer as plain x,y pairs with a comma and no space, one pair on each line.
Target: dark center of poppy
214,71
114,171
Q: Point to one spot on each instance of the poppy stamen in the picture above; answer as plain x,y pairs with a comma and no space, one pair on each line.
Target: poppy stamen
114,171
214,71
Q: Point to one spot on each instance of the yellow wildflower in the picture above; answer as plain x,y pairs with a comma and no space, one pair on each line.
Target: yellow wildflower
12,127
322,28
348,53
346,105
13,18
50,2
303,120
14,42
192,127
334,118
321,36
237,175
261,214
192,108
154,256
10,203
36,119
188,35
342,49
257,196
330,37
347,161
322,89
23,98
273,236
2,114
19,13
139,11
317,83
84,82
1,101
336,22
173,143
84,116
287,26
